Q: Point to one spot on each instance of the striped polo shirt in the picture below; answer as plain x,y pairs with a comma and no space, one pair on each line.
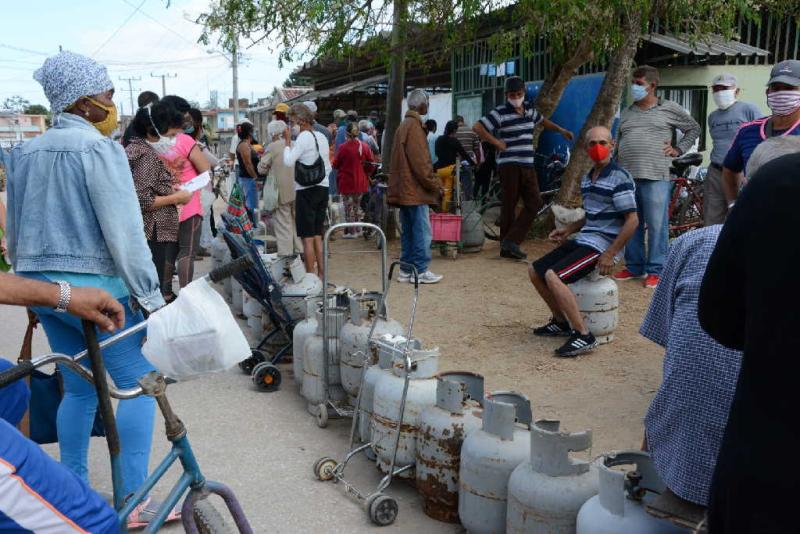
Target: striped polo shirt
606,201
515,130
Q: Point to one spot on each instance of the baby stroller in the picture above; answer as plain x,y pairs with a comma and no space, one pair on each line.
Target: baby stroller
259,283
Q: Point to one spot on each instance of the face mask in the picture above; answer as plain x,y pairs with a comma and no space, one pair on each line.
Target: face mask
164,144
783,102
638,92
109,124
598,152
516,102
189,130
725,99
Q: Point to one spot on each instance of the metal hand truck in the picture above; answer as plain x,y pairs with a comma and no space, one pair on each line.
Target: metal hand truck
197,514
339,409
381,508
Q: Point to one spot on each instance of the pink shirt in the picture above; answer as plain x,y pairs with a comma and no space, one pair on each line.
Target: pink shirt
178,159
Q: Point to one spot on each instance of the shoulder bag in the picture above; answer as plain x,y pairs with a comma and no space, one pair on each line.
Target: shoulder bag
308,175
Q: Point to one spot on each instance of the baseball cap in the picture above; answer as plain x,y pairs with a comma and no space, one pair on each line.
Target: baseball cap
339,114
311,105
787,72
725,79
283,107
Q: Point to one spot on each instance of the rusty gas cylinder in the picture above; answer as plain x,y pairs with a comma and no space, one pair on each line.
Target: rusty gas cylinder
442,429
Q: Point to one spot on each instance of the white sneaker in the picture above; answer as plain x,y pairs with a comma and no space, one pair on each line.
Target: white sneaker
429,278
403,278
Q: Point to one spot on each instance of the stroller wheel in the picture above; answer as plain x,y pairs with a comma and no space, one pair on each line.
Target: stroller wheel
266,377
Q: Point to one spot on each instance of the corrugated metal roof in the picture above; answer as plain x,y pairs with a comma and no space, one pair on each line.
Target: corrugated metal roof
343,89
716,45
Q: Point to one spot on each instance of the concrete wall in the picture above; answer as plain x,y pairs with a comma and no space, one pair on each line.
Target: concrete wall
752,80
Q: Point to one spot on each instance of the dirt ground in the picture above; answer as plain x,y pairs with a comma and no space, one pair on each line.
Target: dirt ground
480,316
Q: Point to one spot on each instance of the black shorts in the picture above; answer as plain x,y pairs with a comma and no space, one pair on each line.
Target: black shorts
310,207
570,262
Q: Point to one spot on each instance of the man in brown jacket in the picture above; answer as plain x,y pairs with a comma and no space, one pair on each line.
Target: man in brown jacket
413,186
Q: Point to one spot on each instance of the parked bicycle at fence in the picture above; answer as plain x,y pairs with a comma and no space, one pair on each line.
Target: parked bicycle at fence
686,202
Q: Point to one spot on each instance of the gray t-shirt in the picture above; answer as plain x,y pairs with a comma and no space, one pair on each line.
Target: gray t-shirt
723,125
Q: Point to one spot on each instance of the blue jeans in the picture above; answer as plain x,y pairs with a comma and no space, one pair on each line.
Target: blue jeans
332,189
652,205
415,243
126,364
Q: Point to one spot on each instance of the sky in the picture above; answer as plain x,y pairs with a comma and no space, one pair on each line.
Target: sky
134,39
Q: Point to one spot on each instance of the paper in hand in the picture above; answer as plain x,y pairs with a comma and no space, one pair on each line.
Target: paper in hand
197,183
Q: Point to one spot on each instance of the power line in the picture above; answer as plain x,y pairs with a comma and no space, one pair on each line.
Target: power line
115,32
193,43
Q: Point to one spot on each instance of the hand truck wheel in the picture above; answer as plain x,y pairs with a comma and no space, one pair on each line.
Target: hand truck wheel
266,377
322,415
382,509
323,468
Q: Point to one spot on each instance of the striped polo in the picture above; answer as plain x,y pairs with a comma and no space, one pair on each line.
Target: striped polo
606,201
515,130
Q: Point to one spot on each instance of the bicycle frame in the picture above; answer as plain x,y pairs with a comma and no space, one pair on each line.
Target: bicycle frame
680,185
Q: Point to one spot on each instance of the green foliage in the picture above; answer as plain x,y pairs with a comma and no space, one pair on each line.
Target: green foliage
15,103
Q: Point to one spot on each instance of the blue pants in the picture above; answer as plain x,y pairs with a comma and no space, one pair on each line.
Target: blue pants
416,239
652,205
126,364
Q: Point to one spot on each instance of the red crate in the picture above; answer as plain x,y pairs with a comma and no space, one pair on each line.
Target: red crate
446,227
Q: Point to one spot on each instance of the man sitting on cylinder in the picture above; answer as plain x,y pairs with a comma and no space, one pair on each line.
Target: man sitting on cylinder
610,205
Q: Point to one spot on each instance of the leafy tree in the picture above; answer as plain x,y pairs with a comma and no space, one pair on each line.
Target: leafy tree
15,103
38,109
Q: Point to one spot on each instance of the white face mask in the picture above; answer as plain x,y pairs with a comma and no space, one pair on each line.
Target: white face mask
164,144
516,102
724,99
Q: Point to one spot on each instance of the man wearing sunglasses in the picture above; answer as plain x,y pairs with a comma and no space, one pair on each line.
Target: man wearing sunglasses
609,200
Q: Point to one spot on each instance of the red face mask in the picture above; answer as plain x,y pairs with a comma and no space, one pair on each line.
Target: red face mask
598,152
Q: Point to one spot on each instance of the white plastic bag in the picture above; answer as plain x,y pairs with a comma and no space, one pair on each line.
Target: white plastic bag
194,335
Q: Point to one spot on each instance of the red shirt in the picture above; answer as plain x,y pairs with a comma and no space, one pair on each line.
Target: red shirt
349,164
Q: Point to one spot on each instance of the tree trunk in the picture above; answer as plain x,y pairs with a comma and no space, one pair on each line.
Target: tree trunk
397,81
553,87
603,111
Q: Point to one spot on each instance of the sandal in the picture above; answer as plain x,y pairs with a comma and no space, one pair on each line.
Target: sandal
146,511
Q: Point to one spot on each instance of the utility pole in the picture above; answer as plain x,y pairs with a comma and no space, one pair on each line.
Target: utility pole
130,88
163,81
235,67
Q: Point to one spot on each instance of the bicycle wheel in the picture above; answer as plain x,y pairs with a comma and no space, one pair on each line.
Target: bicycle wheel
490,218
208,519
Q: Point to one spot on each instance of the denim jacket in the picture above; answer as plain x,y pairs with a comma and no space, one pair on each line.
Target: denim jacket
72,207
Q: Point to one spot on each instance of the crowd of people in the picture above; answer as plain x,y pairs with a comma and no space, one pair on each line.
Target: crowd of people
100,228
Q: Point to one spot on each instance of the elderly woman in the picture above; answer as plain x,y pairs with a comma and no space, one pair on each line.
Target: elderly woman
311,201
74,220
155,128
272,165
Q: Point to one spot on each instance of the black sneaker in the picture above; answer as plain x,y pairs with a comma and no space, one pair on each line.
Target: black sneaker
553,329
509,249
577,344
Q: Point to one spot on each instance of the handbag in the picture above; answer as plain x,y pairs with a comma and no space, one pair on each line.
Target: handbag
270,193
308,175
39,424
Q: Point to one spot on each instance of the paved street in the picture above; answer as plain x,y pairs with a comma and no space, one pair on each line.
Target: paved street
262,444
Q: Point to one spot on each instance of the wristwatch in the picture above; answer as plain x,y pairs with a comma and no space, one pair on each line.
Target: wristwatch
64,296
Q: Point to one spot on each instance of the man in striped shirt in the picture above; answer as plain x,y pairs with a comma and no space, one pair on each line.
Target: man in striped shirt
610,203
509,128
644,147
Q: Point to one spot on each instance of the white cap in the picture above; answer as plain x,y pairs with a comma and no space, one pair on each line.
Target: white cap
312,107
244,121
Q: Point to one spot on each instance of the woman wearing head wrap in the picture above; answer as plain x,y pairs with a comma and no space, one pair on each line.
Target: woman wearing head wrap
283,215
74,219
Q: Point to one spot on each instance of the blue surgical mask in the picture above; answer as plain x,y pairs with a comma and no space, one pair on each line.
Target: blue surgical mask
189,130
638,92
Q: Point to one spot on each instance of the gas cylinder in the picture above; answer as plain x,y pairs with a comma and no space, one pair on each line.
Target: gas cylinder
442,429
380,362
237,298
472,235
251,307
297,284
302,331
619,507
598,301
546,492
313,360
353,338
421,394
218,250
488,456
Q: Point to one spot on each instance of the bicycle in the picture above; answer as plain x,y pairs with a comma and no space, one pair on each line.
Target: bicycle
198,515
378,211
490,208
686,202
